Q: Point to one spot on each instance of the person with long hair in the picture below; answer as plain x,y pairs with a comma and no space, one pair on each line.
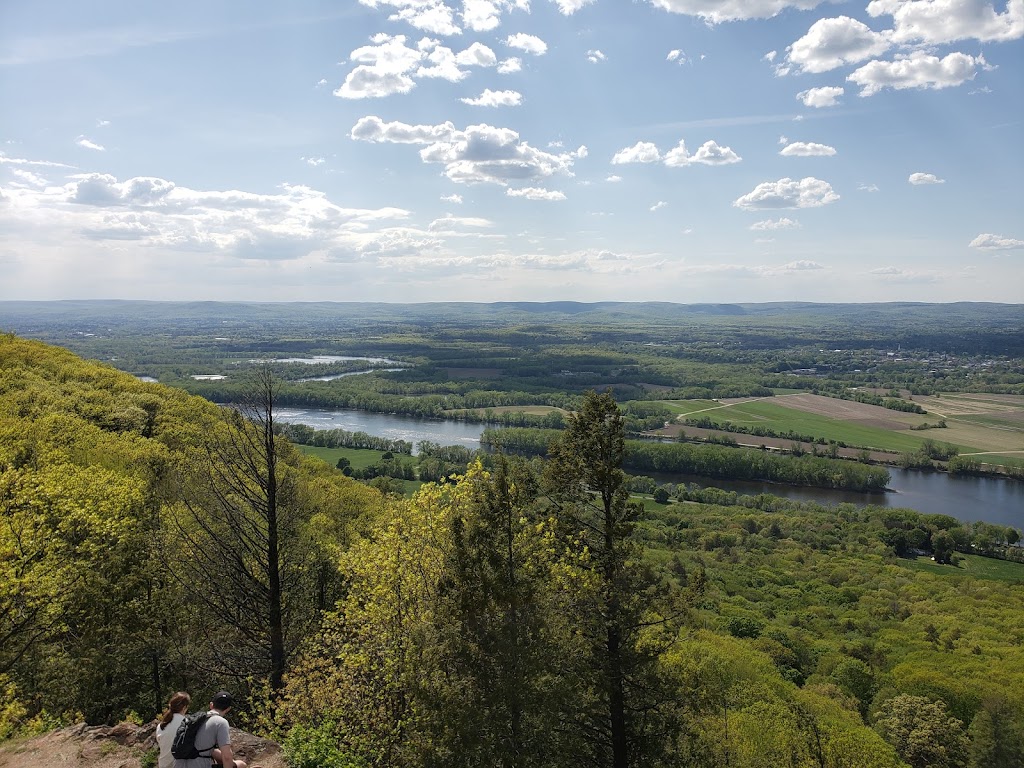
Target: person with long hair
177,708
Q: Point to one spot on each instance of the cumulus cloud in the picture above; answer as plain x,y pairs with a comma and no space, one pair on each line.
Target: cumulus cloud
595,56
807,149
718,11
831,43
527,43
314,161
87,144
989,242
709,153
658,206
389,66
453,198
641,152
933,22
569,7
447,223
481,15
917,70
864,187
156,212
925,178
480,153
613,179
772,225
536,193
372,128
491,98
808,192
436,18
510,66
827,96
28,178
802,265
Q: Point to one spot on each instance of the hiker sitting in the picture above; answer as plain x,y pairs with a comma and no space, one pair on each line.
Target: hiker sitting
212,739
168,727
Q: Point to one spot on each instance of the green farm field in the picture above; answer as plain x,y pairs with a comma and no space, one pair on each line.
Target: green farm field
360,458
971,565
999,439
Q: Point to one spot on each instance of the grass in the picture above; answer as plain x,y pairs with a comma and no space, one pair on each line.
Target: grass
360,459
972,565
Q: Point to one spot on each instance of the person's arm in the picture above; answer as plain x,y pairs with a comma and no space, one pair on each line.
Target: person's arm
227,755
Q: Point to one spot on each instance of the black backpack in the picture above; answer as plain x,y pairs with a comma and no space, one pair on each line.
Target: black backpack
184,745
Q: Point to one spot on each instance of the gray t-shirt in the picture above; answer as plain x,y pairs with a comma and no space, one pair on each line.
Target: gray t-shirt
212,733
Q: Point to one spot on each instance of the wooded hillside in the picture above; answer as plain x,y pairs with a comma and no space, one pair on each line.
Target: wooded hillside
523,614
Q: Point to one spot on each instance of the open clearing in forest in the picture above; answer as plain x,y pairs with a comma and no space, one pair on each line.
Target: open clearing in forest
972,565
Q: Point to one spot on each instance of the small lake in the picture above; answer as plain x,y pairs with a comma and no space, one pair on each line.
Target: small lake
966,498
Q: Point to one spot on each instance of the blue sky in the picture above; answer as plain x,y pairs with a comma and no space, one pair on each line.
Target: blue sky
487,150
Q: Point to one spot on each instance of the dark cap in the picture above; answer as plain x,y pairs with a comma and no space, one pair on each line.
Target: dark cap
222,700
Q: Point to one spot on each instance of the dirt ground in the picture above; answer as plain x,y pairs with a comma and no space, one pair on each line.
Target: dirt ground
844,410
120,746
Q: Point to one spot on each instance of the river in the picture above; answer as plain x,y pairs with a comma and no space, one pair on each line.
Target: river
994,500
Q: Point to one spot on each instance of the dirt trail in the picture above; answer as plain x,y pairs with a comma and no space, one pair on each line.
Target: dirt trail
119,746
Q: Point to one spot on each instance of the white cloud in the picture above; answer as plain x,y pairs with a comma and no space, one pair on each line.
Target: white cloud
709,153
641,152
808,192
802,265
945,21
925,178
28,178
658,205
510,65
827,96
717,11
389,66
569,7
536,193
102,123
449,223
613,179
771,225
595,56
314,161
156,212
527,43
321,82
452,198
5,160
480,153
807,149
867,187
372,128
991,242
87,144
436,18
481,15
831,43
491,98
477,55
675,54
917,70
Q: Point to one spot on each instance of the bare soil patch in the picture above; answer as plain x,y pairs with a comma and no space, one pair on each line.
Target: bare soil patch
119,746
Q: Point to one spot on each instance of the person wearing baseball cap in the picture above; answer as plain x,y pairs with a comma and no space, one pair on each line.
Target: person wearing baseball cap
214,737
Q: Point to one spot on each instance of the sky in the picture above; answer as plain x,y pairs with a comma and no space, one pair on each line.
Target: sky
512,150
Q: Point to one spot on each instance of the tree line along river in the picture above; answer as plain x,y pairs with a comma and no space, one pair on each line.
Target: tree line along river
995,500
